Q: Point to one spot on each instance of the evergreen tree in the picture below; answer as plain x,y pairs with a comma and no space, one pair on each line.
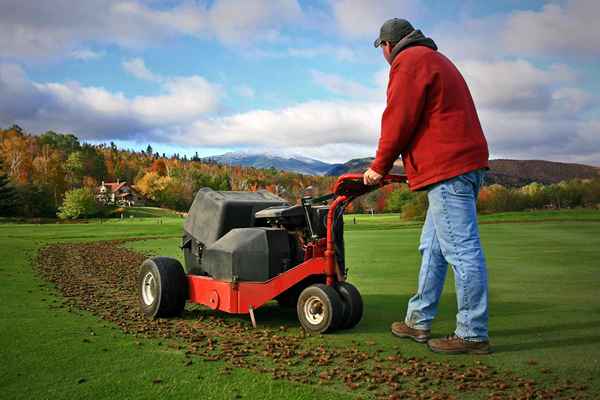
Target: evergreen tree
7,192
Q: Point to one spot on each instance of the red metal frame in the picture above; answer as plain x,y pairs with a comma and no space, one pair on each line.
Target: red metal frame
240,297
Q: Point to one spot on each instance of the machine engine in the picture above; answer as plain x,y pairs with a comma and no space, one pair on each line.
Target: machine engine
249,236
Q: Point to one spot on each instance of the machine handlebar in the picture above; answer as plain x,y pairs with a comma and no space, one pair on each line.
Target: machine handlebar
352,185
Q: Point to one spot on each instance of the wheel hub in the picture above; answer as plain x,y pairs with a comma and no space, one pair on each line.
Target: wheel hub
149,289
313,310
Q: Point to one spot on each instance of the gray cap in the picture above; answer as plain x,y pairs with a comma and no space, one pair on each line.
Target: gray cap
393,30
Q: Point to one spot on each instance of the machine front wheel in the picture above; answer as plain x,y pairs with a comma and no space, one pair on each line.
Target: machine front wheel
353,305
162,286
320,308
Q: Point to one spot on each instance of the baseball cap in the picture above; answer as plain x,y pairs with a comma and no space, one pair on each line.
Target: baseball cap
393,30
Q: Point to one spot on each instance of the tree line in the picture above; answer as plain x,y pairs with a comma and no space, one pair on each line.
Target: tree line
575,193
37,171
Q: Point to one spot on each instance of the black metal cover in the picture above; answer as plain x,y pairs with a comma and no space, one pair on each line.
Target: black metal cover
213,214
248,254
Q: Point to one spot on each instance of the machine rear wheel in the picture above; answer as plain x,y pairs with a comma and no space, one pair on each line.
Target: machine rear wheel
162,286
353,305
320,308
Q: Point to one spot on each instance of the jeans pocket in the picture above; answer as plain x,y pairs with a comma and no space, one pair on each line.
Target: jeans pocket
461,186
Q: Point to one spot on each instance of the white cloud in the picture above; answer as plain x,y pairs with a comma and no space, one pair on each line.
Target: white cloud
185,99
526,111
314,123
530,112
567,30
556,29
43,29
137,67
514,85
471,38
86,54
341,53
237,22
360,18
341,86
96,113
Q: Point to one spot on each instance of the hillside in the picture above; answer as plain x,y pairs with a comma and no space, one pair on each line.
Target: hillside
504,172
522,172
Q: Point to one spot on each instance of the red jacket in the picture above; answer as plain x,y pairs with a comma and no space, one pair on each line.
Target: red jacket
430,119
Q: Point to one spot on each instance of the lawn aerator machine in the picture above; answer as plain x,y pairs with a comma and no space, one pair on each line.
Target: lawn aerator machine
244,249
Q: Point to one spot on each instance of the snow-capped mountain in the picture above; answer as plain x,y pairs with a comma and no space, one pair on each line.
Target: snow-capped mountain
293,163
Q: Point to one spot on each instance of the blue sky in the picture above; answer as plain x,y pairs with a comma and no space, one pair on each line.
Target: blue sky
292,77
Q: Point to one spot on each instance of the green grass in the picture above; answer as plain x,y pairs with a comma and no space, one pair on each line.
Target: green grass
46,351
544,287
544,307
149,212
361,222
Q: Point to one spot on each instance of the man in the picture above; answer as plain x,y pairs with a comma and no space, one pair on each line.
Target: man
431,120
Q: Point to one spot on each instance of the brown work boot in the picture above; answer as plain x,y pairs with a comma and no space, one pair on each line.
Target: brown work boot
402,330
454,345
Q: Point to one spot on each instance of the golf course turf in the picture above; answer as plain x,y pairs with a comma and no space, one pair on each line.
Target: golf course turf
544,327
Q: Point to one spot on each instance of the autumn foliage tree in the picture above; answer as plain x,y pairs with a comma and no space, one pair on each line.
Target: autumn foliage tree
79,203
42,168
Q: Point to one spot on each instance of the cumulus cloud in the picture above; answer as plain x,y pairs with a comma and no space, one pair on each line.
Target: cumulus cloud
514,85
567,30
38,29
96,113
86,54
557,29
137,67
313,123
344,87
341,53
359,18
532,112
548,124
235,21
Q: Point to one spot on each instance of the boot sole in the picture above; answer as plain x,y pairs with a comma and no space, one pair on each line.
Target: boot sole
465,351
415,338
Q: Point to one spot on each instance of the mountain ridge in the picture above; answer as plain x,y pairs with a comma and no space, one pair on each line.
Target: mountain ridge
502,171
506,172
294,163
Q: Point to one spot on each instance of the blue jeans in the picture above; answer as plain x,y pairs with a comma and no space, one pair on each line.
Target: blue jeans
450,236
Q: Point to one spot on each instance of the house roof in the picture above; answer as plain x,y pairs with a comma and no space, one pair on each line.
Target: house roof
115,186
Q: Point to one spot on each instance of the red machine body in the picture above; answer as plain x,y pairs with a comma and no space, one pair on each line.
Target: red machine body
242,297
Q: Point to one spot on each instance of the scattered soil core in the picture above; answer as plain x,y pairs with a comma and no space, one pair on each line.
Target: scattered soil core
101,278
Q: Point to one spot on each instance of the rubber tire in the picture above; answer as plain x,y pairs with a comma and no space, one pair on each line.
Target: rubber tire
172,287
353,304
333,308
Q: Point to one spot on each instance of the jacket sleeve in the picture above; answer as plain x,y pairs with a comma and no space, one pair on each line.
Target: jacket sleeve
406,94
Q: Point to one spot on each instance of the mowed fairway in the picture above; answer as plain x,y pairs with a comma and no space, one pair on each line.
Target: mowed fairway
544,314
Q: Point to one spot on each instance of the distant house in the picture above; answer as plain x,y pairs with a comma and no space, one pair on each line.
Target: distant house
119,194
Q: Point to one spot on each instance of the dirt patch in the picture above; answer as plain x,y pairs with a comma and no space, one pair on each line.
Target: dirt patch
102,279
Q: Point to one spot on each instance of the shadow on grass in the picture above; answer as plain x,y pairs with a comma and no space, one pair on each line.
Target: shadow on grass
567,326
545,344
389,308
382,310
